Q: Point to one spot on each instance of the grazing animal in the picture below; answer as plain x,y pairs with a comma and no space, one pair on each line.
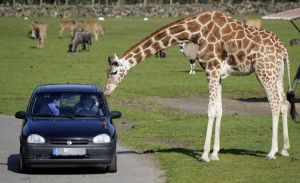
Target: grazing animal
65,25
92,26
253,22
38,32
161,53
189,50
84,38
295,42
226,47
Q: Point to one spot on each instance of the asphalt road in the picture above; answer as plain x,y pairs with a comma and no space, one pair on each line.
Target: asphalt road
132,167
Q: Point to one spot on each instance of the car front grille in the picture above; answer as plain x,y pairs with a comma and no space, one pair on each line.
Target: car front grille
68,141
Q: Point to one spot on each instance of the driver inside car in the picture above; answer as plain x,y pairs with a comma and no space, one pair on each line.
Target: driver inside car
87,103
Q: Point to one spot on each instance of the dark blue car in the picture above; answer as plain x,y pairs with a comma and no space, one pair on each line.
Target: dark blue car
68,125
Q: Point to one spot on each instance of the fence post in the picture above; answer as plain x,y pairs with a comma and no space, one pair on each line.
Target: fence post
296,79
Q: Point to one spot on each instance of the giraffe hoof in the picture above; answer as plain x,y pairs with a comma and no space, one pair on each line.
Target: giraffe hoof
284,152
203,159
270,157
214,158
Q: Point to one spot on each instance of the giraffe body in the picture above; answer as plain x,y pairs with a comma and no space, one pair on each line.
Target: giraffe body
226,47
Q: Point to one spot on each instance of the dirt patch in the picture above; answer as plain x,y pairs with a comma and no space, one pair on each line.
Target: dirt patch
124,126
249,106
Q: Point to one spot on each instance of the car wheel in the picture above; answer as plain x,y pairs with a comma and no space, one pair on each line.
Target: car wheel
22,166
113,166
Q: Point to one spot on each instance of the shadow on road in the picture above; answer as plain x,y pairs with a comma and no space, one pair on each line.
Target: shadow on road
196,154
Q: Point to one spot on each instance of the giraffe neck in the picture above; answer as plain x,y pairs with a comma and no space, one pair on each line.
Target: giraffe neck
165,37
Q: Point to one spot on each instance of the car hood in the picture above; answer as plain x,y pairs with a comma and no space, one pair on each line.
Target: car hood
66,128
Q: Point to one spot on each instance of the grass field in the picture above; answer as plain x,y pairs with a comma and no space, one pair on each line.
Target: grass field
176,138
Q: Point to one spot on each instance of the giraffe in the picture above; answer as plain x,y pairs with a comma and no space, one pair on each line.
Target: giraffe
226,47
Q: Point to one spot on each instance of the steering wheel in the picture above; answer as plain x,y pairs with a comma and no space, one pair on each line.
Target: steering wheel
85,112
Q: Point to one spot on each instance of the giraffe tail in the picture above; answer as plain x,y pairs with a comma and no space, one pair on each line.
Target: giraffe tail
291,98
290,94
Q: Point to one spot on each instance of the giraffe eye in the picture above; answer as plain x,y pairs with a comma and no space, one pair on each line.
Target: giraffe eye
115,64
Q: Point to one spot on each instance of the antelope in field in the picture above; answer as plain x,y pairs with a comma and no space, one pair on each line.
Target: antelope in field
38,31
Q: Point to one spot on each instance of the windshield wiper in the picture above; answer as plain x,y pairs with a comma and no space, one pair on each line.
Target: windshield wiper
43,115
52,116
67,116
89,116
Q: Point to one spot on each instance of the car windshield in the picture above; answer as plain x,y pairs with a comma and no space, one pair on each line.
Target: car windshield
68,104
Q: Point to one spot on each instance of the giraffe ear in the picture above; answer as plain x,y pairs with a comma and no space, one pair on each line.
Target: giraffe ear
110,59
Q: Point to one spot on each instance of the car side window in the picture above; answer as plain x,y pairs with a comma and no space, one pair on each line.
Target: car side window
40,101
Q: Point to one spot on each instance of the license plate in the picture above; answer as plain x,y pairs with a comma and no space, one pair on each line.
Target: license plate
69,151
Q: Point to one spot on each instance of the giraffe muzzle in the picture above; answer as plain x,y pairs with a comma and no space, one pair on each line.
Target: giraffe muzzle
109,89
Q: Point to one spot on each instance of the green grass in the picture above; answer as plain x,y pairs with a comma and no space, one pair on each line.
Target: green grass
176,138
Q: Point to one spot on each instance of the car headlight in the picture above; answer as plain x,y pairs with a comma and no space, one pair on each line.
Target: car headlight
103,138
35,139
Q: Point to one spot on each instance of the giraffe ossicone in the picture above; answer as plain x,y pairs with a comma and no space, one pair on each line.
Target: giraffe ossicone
226,47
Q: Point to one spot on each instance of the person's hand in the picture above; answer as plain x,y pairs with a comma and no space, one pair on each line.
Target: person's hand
57,102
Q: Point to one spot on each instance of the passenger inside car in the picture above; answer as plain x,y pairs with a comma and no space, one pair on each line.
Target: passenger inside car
52,108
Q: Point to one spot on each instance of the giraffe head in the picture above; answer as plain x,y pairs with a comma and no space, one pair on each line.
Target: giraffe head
115,74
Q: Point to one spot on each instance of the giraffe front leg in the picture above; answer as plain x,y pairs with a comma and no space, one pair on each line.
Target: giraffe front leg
219,112
206,149
213,83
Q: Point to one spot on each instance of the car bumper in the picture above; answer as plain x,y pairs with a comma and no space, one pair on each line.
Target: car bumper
97,155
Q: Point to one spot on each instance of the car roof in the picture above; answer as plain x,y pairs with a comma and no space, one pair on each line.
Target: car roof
68,88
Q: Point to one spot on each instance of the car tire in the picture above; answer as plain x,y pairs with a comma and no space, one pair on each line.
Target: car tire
22,166
113,166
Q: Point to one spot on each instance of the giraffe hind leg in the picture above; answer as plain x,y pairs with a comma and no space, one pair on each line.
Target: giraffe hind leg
270,84
284,114
286,142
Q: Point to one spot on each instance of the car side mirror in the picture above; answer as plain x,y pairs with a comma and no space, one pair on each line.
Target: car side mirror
20,114
115,114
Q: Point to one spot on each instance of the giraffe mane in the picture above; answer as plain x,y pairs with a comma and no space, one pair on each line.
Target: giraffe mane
162,28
